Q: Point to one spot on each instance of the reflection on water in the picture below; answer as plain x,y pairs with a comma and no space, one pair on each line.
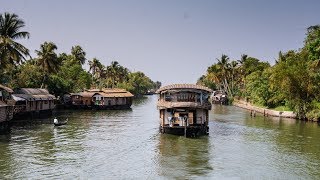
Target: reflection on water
183,157
127,144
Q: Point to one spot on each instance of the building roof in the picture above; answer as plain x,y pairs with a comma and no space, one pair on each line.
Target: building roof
6,88
183,86
33,94
31,97
111,95
108,90
104,92
34,91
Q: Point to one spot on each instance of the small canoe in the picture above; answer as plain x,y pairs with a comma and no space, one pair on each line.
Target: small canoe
59,123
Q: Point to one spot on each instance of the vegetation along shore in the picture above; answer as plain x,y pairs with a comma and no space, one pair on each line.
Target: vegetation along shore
60,73
292,83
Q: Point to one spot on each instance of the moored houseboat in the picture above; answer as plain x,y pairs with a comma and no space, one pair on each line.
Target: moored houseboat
32,101
184,109
6,108
102,99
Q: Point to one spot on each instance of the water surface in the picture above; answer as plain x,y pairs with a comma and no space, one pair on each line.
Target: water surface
126,144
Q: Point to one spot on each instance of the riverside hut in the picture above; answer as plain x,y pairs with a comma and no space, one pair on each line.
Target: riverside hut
32,101
6,108
102,99
184,109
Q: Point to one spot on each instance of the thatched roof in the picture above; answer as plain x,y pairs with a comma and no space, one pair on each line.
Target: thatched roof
34,91
166,104
113,94
104,93
33,94
6,88
108,90
31,97
183,86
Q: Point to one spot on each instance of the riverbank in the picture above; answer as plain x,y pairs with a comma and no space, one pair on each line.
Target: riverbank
264,111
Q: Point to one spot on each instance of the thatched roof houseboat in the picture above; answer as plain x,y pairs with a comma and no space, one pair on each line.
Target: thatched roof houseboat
184,109
102,99
32,100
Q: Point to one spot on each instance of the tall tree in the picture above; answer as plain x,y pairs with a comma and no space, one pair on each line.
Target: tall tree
95,66
47,59
78,54
12,52
312,42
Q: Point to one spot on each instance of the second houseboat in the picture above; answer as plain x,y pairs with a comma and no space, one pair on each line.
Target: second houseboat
102,99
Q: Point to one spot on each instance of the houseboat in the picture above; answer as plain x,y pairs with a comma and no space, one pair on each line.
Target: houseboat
102,99
6,108
184,109
32,101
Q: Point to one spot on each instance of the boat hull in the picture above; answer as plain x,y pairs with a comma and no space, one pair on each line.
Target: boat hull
190,131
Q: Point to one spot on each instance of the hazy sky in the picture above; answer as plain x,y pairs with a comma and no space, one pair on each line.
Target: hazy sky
172,41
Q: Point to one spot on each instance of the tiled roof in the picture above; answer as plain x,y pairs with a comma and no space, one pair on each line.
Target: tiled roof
183,86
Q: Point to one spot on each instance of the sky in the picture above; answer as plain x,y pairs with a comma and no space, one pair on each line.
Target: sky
171,41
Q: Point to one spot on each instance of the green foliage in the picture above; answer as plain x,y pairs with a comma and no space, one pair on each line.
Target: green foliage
258,88
313,115
292,83
138,83
29,76
71,78
59,73
12,52
312,42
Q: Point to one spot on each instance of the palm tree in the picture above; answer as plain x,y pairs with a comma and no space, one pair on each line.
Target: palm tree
47,59
12,52
97,70
112,72
224,66
243,59
78,54
242,63
95,66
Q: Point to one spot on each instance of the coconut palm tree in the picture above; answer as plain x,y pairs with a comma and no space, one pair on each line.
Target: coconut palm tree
12,52
95,66
224,66
112,72
47,59
78,54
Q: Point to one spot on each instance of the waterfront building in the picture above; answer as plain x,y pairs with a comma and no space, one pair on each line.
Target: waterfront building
105,98
33,101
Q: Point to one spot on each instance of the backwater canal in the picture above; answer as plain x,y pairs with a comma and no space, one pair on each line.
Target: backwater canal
127,145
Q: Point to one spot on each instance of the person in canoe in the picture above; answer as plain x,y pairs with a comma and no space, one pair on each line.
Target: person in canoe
56,122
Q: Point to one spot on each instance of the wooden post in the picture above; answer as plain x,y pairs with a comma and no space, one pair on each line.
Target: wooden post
185,127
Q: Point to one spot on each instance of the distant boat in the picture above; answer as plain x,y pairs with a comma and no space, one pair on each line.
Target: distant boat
59,123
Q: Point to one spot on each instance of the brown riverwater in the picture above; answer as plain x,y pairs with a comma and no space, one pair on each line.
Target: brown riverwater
127,145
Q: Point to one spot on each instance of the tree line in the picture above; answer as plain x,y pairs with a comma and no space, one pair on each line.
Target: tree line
292,83
59,73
